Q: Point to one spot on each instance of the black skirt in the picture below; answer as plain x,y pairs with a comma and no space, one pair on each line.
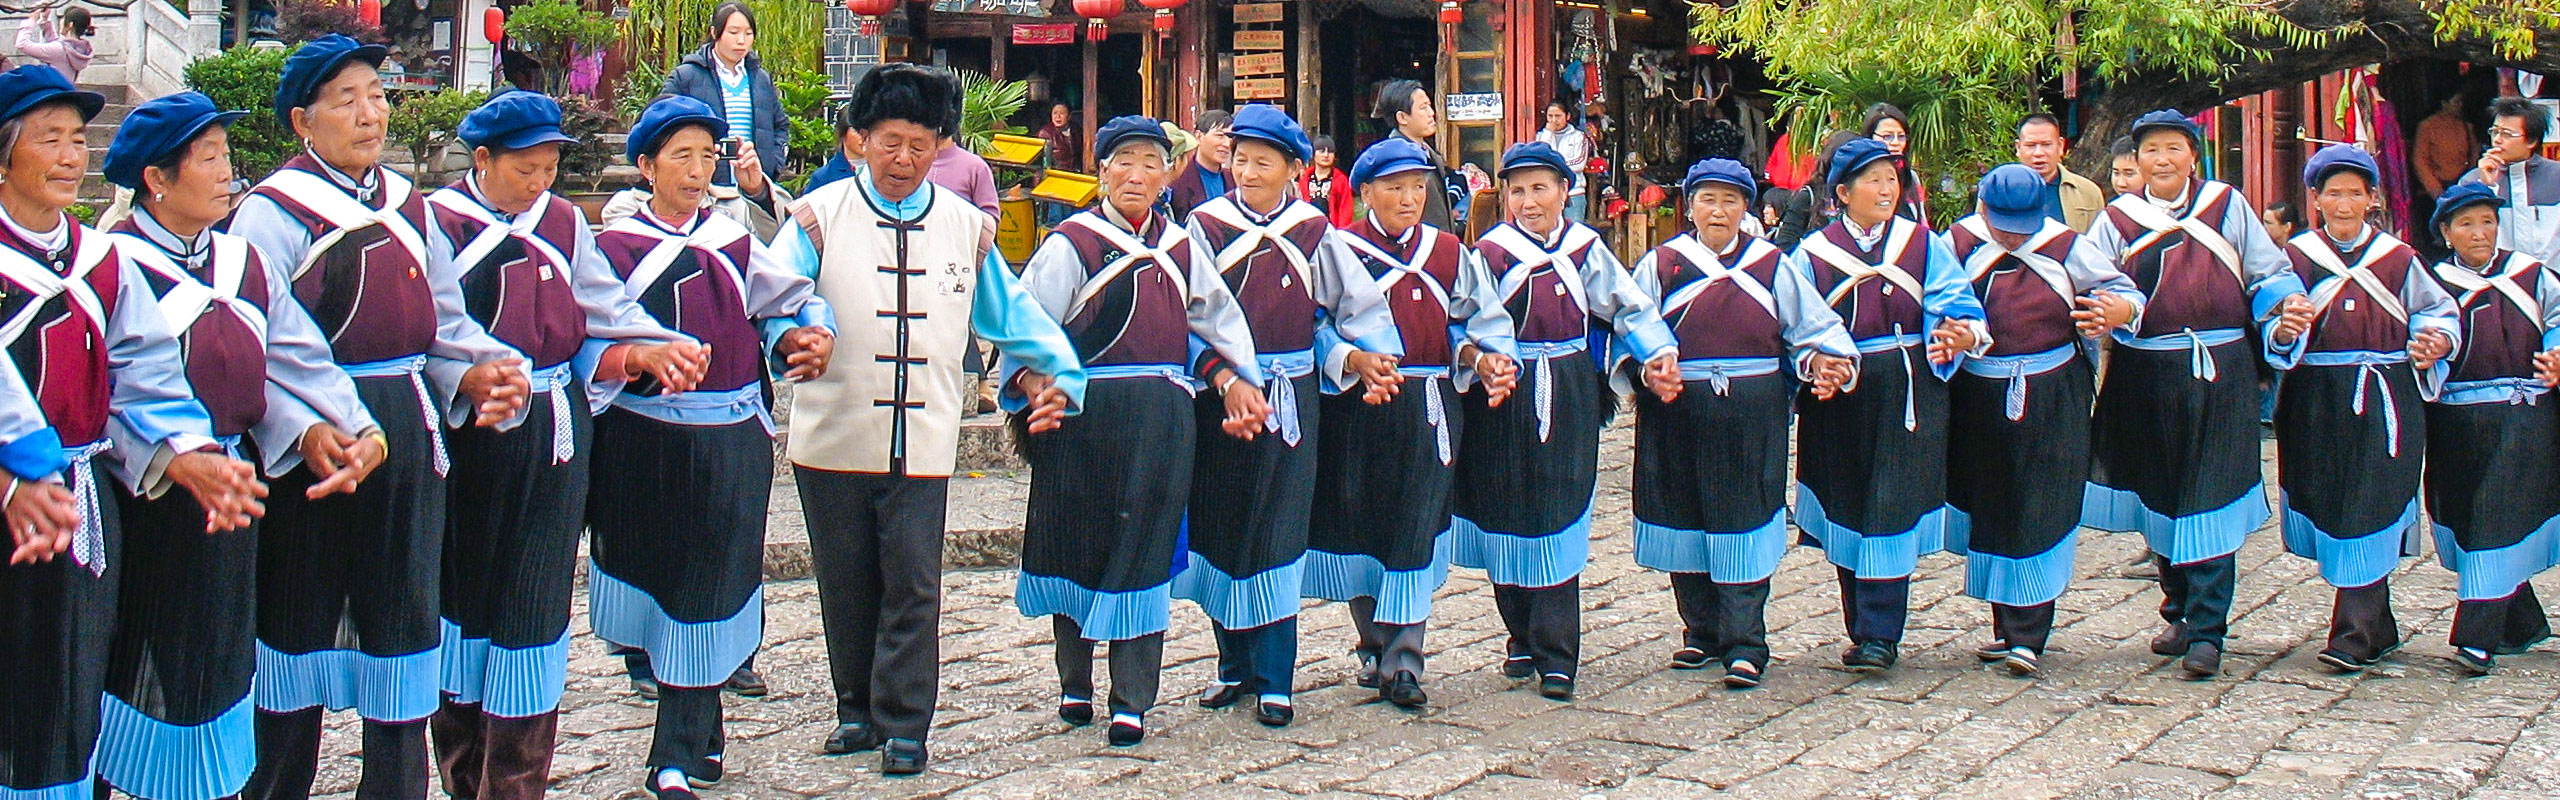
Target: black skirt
1108,488
1247,525
511,553
2350,467
1711,477
678,513
1383,479
356,572
2185,451
1523,504
55,622
1873,464
2492,492
2016,485
178,717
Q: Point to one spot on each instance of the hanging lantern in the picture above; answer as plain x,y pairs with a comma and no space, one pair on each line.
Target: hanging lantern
870,11
370,11
493,25
1703,50
1450,13
1164,14
1098,14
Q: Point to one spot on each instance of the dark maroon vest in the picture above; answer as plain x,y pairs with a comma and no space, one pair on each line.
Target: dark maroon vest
2186,285
369,295
1281,312
1875,306
698,294
1422,321
1543,309
1140,317
2025,315
226,359
2498,340
63,353
1722,321
521,295
2367,326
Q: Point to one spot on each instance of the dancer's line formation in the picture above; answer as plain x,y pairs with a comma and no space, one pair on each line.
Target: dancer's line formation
333,448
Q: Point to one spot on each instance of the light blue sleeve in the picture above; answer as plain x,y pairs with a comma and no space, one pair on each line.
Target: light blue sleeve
1007,316
1632,316
1950,298
153,413
1810,324
32,450
2547,292
782,285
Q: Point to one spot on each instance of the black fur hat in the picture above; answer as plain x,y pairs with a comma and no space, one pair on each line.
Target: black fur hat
927,96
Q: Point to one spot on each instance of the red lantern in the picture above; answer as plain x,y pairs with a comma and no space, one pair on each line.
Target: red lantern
1098,14
1703,50
1450,14
370,11
1164,14
493,25
871,11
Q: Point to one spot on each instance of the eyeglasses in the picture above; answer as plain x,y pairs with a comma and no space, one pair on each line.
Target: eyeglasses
1892,137
2498,134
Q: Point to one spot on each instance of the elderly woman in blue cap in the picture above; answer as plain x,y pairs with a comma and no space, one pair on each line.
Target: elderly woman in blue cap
2491,440
2175,431
1384,470
2018,433
680,477
2350,417
110,380
179,724
1526,469
1711,463
1871,471
1108,486
347,583
530,273
1251,494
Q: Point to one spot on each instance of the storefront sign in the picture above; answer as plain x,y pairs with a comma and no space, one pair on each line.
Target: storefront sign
1475,107
1250,13
1061,33
1262,89
1262,64
1261,40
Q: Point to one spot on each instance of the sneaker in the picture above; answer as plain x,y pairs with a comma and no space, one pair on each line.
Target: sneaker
1690,658
2022,662
2474,661
1870,657
1517,667
1741,674
2203,661
1997,650
1075,711
1127,730
2344,663
1556,686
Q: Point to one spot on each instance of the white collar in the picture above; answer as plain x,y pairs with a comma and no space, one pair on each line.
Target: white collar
186,251
1864,238
1403,238
49,240
2364,235
2171,205
362,189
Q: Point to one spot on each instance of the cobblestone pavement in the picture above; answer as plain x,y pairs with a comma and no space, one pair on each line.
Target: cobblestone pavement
2108,720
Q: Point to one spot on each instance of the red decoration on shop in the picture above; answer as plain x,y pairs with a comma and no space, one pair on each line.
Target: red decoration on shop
1450,13
493,25
1098,14
1164,14
871,11
1703,49
370,11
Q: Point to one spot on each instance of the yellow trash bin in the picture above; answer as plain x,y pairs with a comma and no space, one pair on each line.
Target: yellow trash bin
1017,228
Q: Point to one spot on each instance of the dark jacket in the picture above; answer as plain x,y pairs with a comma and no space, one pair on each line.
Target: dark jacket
835,169
698,77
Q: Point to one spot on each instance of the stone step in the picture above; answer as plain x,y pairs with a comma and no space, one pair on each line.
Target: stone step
117,93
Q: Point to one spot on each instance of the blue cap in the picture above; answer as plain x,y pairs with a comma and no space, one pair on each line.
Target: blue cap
1534,155
663,117
1124,130
512,121
2461,196
1721,170
36,84
1854,156
157,128
2169,118
1267,123
2336,157
1394,155
2012,198
315,63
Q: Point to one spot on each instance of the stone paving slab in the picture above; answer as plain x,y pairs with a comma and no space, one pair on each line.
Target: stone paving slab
2108,720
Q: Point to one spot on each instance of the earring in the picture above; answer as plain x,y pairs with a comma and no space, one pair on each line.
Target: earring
159,197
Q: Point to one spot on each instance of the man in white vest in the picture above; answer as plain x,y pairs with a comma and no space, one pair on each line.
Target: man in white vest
910,268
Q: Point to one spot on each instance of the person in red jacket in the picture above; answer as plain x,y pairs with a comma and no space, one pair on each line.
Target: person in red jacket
1324,184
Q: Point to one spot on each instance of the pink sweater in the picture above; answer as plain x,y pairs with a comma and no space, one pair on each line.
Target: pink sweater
38,40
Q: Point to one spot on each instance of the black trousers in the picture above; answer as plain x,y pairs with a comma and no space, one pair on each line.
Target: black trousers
689,729
2361,623
2023,626
484,756
1545,624
2505,626
877,544
1396,649
1875,610
1727,621
395,758
1136,666
2196,598
1261,660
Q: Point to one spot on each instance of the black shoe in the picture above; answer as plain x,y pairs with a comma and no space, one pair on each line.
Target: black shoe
644,679
2344,663
1076,711
1741,674
1556,686
902,757
852,737
707,772
1126,733
746,683
1871,657
2203,661
670,784
1274,714
2022,662
1517,667
2473,661
1368,670
1405,691
1226,694
1997,650
2170,642
1690,658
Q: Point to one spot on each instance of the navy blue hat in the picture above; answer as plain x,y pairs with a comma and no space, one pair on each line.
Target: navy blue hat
36,84
512,121
315,63
1266,122
2168,118
2461,196
1131,128
1854,156
2336,157
663,117
1394,155
1721,170
1534,155
157,128
2012,198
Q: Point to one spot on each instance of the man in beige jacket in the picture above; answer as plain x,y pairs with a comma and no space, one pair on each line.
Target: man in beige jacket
2068,197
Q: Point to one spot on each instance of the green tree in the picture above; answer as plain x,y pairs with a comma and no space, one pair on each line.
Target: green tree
245,78
424,123
554,30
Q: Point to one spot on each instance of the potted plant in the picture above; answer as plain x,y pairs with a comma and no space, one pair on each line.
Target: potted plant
553,31
425,125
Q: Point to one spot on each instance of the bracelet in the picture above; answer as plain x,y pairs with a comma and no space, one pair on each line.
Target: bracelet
378,438
1230,380
11,495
